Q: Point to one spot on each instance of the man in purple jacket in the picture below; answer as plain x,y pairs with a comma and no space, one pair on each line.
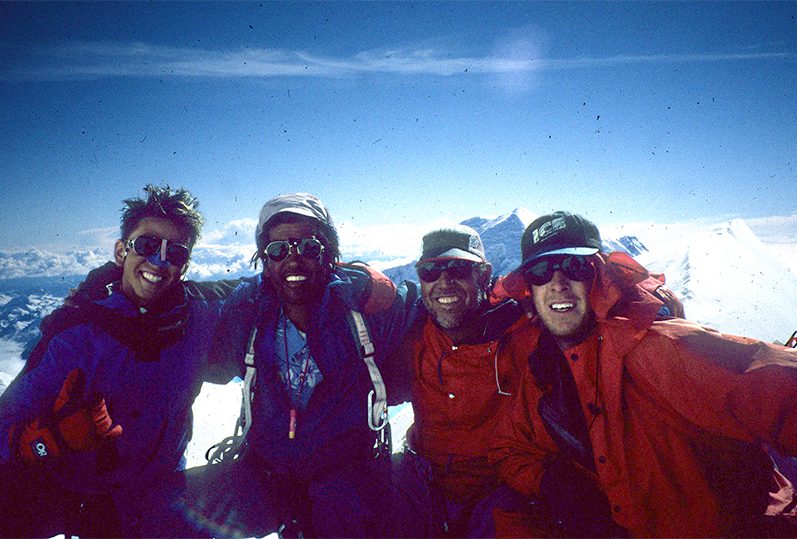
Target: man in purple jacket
89,434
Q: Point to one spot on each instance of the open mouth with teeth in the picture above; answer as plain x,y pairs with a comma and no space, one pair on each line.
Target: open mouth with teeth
447,300
151,277
295,278
562,307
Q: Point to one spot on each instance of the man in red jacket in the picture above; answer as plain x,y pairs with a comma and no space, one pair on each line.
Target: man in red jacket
627,423
465,355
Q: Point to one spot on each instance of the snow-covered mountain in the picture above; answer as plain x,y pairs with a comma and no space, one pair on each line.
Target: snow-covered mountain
728,279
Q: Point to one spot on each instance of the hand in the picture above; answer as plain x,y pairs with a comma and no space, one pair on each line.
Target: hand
75,424
576,501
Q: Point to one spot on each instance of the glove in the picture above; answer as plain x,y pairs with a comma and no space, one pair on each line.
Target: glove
75,424
576,501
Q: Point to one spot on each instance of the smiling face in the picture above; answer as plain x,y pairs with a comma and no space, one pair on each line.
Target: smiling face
563,306
454,303
143,281
297,280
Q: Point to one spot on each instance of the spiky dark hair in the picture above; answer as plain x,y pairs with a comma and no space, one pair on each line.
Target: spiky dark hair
176,205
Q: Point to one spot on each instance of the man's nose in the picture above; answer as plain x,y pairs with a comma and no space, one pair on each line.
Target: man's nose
155,260
293,255
446,277
559,281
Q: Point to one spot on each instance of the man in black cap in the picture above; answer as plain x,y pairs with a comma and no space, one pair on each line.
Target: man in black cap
465,356
627,422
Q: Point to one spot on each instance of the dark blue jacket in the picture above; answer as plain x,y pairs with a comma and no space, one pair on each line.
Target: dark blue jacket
149,395
332,431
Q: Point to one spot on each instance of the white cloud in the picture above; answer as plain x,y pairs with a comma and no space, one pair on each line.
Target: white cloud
514,60
384,245
56,261
775,229
235,232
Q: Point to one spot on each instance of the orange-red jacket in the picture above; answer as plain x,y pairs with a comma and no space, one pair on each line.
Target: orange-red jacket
679,408
458,393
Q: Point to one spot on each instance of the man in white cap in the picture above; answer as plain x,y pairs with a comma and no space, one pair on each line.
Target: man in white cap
309,453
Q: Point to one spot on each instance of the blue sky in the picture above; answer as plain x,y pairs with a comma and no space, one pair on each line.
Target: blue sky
396,113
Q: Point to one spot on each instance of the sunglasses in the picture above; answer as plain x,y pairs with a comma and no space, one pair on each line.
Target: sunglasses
574,267
176,254
306,247
457,269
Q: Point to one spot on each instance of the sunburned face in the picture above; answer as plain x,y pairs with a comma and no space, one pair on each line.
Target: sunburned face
453,302
145,280
297,279
563,306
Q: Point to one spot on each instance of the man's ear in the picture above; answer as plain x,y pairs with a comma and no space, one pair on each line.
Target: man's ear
119,253
486,273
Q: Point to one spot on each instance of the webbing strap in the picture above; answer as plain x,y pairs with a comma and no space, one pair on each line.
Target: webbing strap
249,383
377,397
229,447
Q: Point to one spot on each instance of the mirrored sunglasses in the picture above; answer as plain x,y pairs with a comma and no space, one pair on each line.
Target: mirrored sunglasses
176,254
306,247
432,270
574,267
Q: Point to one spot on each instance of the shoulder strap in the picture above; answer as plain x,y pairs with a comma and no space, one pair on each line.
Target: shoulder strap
249,383
230,447
377,397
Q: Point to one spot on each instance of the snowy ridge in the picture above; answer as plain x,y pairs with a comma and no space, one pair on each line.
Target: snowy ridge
728,279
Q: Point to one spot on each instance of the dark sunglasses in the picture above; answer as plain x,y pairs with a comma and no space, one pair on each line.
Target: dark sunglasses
574,267
176,254
432,270
307,247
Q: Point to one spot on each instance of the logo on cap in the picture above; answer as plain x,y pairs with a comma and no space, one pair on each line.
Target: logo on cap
548,229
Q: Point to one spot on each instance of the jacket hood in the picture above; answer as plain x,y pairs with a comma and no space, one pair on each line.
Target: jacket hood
616,292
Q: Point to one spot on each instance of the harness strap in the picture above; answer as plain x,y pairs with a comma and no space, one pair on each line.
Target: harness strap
249,384
377,397
229,447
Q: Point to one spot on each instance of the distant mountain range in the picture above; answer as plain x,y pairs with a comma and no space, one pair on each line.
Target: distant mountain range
725,276
501,238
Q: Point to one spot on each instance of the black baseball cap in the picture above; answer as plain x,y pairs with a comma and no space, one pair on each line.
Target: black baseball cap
559,233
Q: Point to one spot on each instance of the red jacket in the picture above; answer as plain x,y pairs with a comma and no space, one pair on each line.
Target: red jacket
680,407
456,398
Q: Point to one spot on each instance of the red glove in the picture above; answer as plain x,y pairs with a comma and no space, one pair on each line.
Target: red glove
75,424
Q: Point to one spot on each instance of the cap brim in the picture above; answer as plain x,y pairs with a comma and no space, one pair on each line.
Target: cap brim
458,254
581,251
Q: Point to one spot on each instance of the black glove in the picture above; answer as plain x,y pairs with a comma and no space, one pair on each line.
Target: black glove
576,502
